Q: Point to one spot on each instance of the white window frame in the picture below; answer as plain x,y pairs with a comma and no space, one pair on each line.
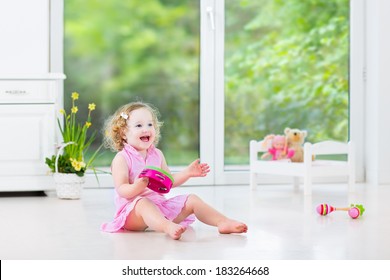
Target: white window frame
357,82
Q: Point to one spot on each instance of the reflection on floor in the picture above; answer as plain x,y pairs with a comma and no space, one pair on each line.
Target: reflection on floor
283,225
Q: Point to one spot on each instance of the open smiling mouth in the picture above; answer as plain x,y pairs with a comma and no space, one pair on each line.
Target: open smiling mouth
145,138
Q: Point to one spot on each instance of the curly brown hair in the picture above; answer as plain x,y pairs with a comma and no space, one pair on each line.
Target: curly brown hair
115,126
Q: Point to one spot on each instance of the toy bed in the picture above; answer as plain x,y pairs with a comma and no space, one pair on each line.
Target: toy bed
309,168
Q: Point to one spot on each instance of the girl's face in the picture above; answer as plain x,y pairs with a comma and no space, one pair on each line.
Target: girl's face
140,132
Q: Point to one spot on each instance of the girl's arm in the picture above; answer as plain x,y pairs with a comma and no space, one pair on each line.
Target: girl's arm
195,169
120,173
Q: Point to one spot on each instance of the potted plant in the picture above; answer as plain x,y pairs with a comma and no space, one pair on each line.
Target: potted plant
68,164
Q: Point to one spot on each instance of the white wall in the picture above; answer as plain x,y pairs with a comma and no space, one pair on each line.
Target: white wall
377,92
24,30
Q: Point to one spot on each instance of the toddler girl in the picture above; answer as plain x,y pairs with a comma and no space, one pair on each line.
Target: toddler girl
134,131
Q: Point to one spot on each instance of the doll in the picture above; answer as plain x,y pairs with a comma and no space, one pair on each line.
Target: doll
279,149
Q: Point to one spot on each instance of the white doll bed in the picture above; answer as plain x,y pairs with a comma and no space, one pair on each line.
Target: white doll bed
308,169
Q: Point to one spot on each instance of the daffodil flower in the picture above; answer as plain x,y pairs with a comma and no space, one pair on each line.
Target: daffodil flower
75,95
91,106
74,109
88,124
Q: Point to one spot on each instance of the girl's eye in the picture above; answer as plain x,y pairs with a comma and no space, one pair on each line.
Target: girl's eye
151,124
138,125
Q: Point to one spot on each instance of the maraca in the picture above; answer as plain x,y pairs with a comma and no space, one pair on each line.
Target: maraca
354,211
159,180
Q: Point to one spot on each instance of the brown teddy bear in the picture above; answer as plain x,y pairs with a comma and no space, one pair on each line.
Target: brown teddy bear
295,140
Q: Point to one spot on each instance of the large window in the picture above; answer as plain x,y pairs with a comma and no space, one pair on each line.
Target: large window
220,72
121,51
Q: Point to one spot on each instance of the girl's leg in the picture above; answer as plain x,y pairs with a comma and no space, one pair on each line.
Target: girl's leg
146,214
208,215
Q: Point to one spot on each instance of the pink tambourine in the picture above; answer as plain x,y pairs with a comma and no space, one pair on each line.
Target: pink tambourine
159,180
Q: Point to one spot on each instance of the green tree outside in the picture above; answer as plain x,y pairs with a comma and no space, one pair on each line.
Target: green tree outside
286,65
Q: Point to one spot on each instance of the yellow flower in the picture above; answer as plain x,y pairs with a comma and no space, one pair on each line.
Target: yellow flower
74,109
91,106
75,95
77,165
88,124
62,111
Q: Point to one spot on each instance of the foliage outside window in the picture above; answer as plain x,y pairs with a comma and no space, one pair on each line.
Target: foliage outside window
121,51
286,65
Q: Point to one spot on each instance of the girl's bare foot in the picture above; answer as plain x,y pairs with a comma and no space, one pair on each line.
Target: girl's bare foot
174,230
231,226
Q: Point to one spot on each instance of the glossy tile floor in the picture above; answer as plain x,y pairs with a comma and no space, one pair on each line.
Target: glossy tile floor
283,225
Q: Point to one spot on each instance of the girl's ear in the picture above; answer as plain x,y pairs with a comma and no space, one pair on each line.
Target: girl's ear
123,135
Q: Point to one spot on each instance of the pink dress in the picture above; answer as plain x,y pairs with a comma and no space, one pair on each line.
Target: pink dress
277,153
169,207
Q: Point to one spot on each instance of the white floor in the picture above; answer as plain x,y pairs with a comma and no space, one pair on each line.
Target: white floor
283,225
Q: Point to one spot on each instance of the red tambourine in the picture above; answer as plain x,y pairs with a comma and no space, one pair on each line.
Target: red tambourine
159,180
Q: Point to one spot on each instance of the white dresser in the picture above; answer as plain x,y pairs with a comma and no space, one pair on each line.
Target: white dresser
28,129
31,89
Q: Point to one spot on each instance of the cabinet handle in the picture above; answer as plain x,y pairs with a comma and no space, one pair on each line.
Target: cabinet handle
16,92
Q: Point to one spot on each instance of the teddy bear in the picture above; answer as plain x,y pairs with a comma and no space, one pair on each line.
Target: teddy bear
295,140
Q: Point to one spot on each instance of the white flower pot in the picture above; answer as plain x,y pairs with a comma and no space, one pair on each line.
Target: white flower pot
68,185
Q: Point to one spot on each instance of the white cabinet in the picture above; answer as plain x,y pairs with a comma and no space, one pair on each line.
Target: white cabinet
30,93
28,129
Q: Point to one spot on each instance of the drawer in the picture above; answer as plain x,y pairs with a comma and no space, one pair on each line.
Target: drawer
20,91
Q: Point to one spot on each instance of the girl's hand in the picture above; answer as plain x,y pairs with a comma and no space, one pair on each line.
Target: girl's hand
197,169
141,182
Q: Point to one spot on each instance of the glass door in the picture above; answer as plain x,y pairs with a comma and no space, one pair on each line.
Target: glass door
285,64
